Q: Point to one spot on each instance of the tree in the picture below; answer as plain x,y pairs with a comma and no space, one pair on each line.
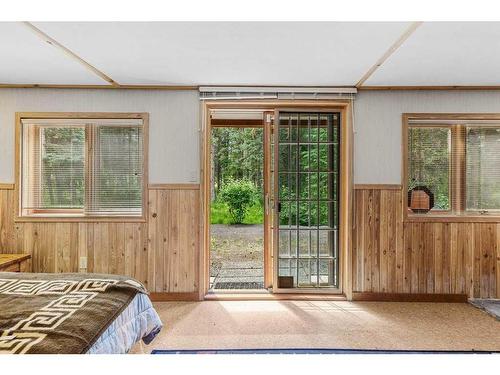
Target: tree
239,195
236,154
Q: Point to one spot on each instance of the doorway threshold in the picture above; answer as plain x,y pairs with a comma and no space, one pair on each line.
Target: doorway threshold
265,295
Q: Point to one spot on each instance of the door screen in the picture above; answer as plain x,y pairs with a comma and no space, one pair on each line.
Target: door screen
306,161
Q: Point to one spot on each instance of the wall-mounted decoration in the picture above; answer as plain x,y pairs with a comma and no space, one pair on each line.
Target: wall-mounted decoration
420,199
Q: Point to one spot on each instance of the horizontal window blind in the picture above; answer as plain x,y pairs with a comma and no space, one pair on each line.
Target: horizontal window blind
54,167
429,162
117,173
483,167
82,167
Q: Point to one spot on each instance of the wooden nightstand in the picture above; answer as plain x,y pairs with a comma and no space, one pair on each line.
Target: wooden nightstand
14,262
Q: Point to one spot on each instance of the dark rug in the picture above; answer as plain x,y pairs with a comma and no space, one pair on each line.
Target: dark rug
238,285
317,351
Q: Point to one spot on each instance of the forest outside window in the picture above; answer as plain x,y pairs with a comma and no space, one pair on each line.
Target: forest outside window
83,168
452,167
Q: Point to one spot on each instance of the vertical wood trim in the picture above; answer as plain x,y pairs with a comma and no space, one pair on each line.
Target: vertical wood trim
268,260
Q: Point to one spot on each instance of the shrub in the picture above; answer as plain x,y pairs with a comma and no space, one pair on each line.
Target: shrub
239,195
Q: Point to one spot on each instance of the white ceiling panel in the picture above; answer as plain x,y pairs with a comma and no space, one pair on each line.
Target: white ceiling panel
26,59
445,53
229,53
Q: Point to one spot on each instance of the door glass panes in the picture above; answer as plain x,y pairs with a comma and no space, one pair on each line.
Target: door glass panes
308,192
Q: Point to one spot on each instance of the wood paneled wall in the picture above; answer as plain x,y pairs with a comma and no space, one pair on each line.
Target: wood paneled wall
162,253
392,256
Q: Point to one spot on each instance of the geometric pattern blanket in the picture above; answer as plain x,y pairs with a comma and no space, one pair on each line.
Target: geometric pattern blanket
45,313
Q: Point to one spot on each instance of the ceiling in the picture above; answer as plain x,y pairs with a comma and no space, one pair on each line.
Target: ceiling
230,53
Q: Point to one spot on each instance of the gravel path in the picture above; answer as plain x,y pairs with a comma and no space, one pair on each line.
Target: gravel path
237,256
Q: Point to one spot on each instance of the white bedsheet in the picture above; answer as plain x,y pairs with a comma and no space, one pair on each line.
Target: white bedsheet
139,321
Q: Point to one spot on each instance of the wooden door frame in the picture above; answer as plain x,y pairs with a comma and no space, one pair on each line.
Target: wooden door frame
346,179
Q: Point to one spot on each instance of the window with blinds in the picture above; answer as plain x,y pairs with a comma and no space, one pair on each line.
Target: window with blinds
82,167
483,168
429,161
453,166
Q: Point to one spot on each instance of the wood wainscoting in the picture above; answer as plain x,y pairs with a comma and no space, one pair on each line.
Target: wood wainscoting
442,258
162,253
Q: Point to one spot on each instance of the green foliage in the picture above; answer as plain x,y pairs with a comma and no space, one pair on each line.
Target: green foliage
239,195
62,162
321,185
237,154
429,162
219,214
117,178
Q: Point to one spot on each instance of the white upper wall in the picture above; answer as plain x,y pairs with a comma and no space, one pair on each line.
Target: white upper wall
174,122
378,125
173,128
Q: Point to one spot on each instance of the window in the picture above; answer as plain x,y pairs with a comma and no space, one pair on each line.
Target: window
429,158
452,166
82,167
483,168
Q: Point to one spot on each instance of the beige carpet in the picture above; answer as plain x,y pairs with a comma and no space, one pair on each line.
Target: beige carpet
324,324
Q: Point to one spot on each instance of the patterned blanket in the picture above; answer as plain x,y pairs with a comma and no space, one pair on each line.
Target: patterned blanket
59,313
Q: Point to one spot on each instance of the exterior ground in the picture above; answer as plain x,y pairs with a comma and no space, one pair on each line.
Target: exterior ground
237,256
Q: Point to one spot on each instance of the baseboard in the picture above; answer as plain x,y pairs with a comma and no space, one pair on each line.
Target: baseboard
165,297
408,297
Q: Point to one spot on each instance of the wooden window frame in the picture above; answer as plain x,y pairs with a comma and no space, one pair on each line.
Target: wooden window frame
62,215
457,188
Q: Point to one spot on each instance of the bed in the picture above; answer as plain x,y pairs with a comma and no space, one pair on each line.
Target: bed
73,314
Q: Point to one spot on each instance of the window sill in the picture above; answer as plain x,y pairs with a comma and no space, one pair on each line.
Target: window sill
80,219
425,218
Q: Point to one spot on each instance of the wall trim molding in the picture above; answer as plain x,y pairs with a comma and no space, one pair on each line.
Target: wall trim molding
99,87
165,296
11,186
408,297
196,88
7,186
429,88
377,187
174,186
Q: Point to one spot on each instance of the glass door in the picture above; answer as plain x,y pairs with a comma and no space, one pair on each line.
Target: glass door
306,178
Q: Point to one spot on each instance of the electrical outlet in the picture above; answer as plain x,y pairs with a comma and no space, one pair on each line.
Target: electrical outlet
83,263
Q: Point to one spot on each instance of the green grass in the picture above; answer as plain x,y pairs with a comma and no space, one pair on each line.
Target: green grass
220,214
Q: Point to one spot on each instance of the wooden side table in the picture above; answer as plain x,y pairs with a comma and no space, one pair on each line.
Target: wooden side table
14,262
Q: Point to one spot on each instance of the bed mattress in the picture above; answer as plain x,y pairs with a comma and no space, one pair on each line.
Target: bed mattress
138,321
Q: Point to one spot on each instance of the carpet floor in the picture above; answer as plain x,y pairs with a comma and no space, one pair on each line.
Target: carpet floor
324,324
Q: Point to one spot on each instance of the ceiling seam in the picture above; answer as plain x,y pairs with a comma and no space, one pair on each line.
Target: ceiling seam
46,38
398,43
